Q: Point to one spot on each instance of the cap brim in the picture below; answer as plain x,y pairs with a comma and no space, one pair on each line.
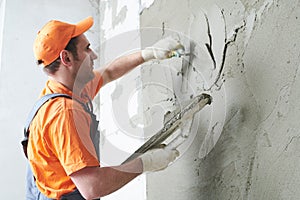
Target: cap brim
83,26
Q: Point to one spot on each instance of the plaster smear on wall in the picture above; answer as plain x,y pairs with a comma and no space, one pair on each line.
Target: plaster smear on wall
208,49
118,36
121,133
244,53
144,4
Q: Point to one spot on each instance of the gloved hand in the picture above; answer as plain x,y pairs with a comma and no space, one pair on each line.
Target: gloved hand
158,159
161,49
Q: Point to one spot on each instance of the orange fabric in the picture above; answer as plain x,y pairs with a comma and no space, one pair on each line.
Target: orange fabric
54,37
59,140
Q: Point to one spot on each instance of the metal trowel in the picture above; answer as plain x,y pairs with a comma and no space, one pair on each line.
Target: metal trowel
180,119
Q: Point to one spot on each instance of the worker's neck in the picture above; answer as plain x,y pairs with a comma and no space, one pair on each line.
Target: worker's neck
75,86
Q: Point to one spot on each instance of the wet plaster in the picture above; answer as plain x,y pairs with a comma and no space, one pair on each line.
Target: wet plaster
246,55
145,4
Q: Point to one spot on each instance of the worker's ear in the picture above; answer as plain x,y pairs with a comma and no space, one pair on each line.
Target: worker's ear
66,57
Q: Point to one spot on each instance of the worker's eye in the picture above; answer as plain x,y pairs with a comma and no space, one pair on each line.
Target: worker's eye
88,47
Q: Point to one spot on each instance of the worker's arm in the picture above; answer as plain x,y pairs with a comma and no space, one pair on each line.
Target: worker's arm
95,182
124,64
120,66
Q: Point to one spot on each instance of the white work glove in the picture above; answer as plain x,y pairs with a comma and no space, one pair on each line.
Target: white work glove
158,159
161,49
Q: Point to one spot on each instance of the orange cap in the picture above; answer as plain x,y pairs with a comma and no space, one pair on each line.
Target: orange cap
54,37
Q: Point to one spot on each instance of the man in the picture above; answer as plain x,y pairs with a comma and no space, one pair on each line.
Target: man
61,149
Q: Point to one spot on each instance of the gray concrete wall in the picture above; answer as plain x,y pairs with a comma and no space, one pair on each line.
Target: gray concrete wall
256,98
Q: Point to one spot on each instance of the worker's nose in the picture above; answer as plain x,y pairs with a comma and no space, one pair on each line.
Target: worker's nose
93,55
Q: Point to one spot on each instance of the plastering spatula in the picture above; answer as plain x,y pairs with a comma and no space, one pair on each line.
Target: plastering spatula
178,119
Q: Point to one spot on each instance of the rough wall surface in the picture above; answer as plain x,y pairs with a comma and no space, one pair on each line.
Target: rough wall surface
246,55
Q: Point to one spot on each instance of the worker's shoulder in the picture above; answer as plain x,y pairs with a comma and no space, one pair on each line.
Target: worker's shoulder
63,103
58,108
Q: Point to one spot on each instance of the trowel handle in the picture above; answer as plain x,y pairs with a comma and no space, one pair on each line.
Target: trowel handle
178,52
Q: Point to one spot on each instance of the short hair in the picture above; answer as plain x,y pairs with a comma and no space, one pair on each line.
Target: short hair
53,67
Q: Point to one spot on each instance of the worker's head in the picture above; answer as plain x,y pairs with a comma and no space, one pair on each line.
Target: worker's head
58,41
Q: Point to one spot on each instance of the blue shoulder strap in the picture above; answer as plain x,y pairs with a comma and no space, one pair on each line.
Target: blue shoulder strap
33,112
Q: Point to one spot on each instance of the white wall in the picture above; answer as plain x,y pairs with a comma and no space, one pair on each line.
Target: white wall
120,100
2,15
21,80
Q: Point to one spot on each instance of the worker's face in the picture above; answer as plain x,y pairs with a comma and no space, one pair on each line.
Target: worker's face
85,60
